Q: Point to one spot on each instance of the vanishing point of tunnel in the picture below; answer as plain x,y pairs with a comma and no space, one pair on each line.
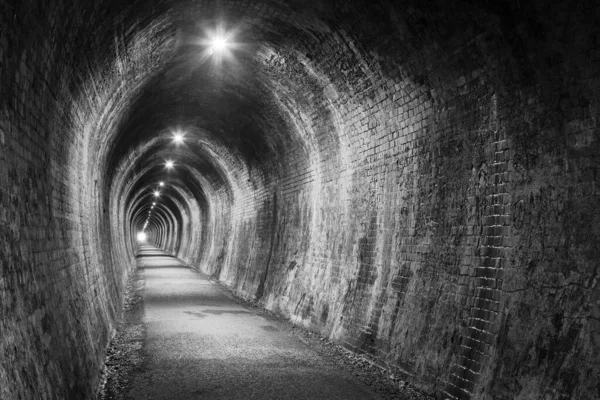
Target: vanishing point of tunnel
415,182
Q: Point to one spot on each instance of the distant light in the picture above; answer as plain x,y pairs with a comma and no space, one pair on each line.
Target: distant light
156,193
141,236
169,164
161,184
218,44
178,137
154,203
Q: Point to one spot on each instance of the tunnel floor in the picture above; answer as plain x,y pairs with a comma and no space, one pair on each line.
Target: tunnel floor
200,343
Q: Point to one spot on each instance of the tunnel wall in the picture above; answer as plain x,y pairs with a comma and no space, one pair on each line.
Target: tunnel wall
441,221
61,279
55,301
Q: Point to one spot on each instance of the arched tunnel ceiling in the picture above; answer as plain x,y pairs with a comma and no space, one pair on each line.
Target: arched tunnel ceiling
243,102
239,109
224,101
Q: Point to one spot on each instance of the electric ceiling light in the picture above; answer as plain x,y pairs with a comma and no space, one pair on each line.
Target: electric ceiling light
178,137
218,44
169,164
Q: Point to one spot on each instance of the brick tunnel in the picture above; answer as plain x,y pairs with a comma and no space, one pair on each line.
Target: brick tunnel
417,182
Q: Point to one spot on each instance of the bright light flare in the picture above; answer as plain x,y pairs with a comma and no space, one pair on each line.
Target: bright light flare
141,236
169,164
156,193
161,184
218,44
178,137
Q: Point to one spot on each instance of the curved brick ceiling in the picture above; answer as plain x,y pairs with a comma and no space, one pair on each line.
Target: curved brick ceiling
231,105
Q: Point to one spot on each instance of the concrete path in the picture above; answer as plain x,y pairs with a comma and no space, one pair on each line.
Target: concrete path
200,344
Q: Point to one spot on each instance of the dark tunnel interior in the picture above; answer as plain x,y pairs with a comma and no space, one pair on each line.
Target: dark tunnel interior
417,181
